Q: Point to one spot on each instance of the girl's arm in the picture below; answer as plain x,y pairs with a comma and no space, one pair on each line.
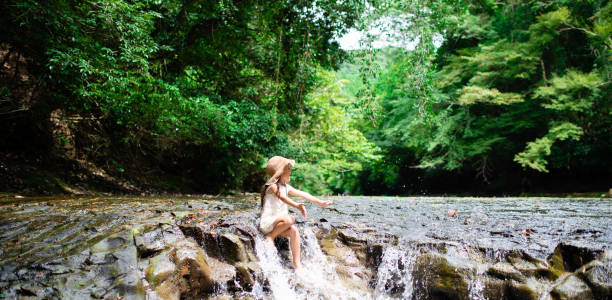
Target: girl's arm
299,206
307,196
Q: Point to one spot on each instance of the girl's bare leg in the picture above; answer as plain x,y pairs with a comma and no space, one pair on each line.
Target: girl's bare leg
281,225
294,243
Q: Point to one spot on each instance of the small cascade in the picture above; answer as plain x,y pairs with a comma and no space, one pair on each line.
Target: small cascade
395,274
317,279
476,286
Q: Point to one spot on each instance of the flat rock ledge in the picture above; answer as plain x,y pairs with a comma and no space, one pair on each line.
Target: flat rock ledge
197,256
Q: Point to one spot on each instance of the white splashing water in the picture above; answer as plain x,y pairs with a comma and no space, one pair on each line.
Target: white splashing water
395,274
317,279
475,287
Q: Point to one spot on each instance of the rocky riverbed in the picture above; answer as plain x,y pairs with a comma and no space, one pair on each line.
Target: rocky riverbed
209,248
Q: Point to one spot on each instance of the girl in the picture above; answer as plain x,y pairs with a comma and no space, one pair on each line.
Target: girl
275,219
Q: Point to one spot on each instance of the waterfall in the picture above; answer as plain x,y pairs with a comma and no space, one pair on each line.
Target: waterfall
395,272
318,278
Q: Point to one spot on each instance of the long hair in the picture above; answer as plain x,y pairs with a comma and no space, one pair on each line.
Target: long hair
265,187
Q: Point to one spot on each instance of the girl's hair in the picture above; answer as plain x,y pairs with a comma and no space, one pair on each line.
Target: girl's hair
264,188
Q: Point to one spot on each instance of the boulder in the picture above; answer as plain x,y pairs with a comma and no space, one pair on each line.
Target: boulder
160,268
194,269
223,274
598,275
504,270
244,276
519,291
572,287
569,257
442,280
232,249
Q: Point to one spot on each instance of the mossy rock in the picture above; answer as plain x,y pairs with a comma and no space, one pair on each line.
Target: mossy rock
598,275
572,288
568,257
514,290
503,270
232,249
442,280
160,268
191,261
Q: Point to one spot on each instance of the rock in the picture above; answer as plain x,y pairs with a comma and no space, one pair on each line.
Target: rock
170,289
114,268
340,252
222,273
160,268
149,239
519,291
568,257
598,275
494,288
503,270
572,288
232,248
195,270
374,255
442,280
244,277
531,267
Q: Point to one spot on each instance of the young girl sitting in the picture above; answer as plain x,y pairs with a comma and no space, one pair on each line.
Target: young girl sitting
275,219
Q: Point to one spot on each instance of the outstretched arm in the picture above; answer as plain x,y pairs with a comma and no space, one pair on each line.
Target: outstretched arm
295,192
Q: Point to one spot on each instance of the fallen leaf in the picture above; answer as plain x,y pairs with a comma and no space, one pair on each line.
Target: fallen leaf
184,270
371,261
452,213
40,274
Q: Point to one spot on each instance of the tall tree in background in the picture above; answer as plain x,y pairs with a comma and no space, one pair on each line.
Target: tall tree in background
206,89
518,85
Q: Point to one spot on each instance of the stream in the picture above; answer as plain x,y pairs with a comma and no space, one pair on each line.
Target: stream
358,248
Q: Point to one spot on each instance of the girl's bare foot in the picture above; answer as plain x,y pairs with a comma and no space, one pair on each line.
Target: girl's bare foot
297,267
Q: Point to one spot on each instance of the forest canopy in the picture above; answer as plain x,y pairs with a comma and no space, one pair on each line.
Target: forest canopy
488,98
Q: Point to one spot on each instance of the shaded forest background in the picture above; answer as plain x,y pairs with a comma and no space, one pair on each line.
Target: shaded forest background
483,98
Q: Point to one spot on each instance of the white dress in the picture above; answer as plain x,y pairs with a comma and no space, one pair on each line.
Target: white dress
273,208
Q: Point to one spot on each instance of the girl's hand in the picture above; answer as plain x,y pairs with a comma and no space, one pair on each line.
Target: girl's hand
325,203
302,209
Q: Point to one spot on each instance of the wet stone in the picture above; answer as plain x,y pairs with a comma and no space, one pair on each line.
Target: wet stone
572,288
570,257
221,272
519,291
160,268
244,276
599,276
232,248
503,270
199,279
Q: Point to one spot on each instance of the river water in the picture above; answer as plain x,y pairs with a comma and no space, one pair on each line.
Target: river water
35,230
535,225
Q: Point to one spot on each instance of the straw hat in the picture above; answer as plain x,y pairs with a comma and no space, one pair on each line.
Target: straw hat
275,168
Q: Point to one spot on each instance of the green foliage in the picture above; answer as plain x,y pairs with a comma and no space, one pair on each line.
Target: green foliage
523,82
535,153
331,149
573,92
214,86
